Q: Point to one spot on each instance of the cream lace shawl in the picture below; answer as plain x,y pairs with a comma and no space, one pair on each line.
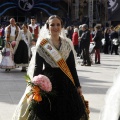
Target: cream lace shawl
64,50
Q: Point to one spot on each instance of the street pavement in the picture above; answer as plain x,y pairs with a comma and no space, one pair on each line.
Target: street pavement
95,81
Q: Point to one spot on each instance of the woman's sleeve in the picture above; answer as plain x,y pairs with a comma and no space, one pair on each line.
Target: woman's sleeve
38,65
71,64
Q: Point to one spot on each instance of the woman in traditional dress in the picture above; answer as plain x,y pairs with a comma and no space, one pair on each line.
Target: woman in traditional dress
56,54
7,58
22,48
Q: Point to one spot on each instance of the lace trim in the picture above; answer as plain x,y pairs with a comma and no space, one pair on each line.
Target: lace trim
65,50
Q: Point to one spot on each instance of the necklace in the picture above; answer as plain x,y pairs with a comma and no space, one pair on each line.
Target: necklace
56,44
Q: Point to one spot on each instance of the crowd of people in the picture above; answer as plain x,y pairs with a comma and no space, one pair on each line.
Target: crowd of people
51,51
105,40
19,42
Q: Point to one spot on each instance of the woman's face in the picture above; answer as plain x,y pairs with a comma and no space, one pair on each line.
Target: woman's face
55,26
24,27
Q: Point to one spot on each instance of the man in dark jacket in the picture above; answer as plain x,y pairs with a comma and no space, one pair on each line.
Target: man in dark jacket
114,44
85,43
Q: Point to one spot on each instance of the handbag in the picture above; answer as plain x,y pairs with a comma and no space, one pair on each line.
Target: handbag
115,41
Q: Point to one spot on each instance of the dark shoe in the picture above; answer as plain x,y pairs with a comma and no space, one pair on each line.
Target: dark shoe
87,64
98,63
82,64
7,70
116,54
23,71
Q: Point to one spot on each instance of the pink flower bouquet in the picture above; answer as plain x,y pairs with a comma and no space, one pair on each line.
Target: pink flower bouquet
43,82
40,85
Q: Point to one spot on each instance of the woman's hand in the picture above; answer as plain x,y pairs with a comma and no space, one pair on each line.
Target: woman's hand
79,90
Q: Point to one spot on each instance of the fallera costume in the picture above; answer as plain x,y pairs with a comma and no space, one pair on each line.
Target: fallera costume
11,32
22,49
7,59
67,104
34,30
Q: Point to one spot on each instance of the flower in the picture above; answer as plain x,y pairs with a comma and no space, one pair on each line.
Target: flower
13,43
38,88
43,82
40,85
36,94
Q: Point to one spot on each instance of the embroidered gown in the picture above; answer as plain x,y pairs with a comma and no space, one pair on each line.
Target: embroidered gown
22,49
66,104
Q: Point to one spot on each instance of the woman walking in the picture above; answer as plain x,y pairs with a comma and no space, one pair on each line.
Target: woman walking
22,48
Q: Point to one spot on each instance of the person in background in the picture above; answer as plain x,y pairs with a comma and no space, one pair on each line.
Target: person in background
114,41
1,31
70,32
79,45
34,28
12,31
33,46
22,50
2,37
80,30
7,62
107,40
85,43
75,39
98,44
